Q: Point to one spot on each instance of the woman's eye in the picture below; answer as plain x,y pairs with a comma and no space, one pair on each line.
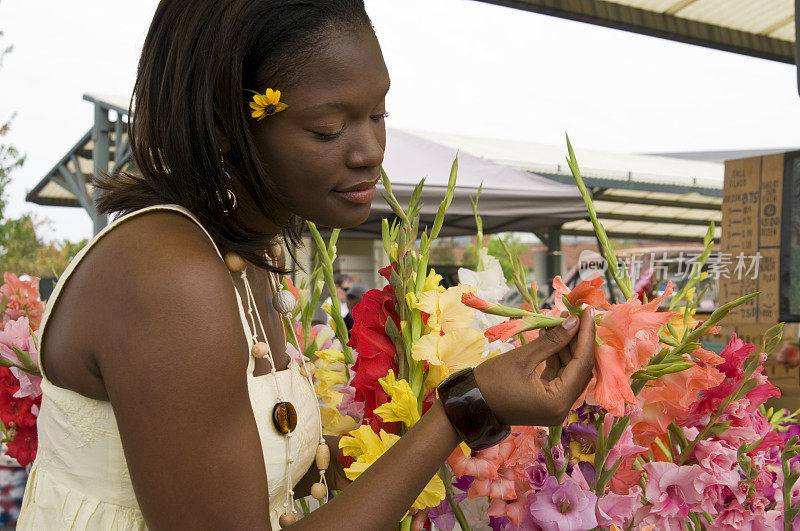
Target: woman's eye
377,117
328,136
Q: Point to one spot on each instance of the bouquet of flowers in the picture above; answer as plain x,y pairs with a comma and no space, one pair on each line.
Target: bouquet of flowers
20,392
667,435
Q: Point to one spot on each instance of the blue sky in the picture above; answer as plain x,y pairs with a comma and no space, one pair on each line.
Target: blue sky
457,66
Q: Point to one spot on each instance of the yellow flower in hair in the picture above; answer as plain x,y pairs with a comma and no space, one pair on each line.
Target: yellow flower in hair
266,104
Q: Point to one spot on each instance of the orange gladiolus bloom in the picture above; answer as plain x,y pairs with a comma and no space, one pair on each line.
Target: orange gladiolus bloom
629,335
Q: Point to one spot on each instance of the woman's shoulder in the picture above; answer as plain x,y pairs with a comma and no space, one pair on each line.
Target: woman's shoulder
144,285
154,253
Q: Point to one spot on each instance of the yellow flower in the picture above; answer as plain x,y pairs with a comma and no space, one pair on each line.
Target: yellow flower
403,405
334,423
432,282
366,447
330,356
327,308
455,350
266,104
576,450
447,312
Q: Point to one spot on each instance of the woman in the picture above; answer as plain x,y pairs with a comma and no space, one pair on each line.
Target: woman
154,413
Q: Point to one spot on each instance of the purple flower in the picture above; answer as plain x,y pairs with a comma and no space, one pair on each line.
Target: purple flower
498,524
463,483
442,515
537,473
588,472
564,507
586,412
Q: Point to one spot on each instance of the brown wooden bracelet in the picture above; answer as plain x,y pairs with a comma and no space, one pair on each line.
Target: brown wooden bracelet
469,413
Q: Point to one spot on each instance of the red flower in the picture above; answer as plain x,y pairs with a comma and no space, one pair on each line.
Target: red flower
505,330
473,301
376,352
294,290
386,272
589,292
23,447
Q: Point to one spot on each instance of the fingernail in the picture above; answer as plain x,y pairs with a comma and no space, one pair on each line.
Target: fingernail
570,322
591,312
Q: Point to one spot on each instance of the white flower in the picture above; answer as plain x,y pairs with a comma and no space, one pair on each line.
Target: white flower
490,285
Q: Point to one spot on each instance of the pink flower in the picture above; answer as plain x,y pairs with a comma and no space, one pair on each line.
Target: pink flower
733,518
564,507
514,510
715,456
674,490
526,447
624,448
22,300
18,334
618,509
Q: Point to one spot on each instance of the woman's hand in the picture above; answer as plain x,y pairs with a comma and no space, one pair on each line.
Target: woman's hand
520,395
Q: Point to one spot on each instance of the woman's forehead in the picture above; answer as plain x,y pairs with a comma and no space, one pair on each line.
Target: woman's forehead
348,67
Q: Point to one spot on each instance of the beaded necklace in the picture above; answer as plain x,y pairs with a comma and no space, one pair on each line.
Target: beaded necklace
284,414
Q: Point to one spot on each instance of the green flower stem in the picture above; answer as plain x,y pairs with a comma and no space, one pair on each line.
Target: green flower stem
622,280
708,242
553,440
518,276
447,479
327,254
405,524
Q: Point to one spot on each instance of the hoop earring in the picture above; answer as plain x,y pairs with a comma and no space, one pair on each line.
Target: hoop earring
229,204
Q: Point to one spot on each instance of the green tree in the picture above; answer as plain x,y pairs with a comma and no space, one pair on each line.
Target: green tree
442,252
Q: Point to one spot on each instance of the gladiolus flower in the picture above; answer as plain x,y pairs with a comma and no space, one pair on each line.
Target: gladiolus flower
402,405
563,507
366,447
587,292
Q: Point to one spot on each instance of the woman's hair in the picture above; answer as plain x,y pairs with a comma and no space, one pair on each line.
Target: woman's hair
198,60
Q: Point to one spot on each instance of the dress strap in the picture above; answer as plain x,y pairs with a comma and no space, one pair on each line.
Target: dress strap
62,280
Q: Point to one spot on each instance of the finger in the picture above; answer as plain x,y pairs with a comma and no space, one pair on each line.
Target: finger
554,339
418,520
578,372
565,354
551,368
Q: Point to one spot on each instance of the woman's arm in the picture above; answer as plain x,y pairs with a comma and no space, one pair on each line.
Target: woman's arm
172,355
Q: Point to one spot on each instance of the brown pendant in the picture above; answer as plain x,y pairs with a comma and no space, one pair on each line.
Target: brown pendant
284,417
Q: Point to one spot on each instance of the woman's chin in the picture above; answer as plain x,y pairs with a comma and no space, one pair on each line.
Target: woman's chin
344,219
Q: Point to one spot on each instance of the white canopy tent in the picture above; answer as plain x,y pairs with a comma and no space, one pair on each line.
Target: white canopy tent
510,200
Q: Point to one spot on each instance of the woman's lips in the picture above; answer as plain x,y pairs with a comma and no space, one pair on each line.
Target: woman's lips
365,195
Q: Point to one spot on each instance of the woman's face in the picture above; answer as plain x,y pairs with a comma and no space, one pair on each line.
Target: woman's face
324,152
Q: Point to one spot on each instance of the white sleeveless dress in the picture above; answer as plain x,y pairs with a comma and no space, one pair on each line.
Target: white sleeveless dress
80,479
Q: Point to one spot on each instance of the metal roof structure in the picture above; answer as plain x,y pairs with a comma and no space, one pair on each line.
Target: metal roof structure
759,28
104,148
636,196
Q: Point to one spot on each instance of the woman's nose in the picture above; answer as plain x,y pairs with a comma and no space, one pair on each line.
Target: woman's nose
368,147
